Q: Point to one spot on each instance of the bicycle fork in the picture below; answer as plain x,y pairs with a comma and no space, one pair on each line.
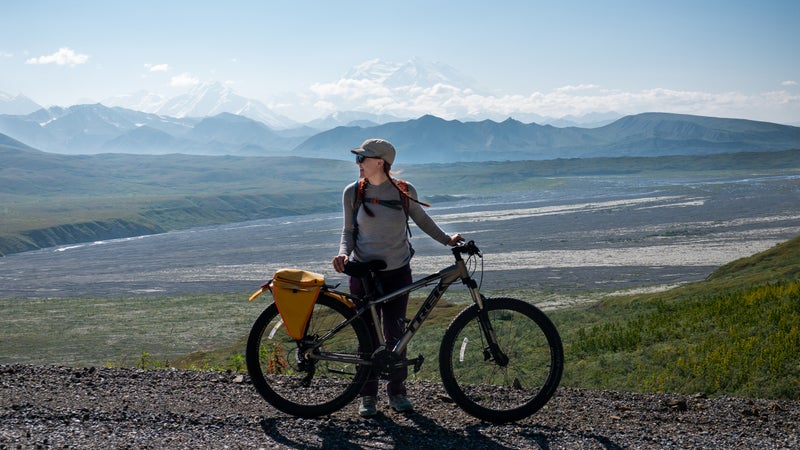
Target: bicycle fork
492,352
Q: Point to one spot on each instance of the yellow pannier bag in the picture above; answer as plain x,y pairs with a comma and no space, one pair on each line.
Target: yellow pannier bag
295,293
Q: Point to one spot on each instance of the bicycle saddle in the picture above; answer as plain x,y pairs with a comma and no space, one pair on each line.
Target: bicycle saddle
361,269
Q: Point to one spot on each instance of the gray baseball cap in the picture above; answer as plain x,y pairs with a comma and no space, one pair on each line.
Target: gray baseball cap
376,148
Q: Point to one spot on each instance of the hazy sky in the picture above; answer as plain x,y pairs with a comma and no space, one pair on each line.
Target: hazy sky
727,58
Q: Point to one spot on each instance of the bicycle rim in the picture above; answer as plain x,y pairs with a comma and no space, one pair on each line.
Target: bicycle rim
296,385
491,391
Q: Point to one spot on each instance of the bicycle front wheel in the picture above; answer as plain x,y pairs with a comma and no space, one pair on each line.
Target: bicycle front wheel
309,386
503,391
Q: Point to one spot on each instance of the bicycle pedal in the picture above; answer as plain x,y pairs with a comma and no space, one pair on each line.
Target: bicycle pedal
418,363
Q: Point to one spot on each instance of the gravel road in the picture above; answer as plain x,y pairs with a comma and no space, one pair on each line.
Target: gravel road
57,407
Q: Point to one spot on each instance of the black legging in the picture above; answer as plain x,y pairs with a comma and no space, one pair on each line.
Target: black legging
392,312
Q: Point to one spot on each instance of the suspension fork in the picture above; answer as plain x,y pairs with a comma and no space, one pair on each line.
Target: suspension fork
493,350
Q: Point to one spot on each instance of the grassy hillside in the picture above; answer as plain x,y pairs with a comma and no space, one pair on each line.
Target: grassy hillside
736,333
49,199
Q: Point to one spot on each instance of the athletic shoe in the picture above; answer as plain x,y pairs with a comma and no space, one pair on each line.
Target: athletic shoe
400,403
367,407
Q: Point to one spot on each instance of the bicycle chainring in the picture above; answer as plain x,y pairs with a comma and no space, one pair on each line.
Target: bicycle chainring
386,363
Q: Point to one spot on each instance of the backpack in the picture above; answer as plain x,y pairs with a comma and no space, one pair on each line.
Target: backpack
359,199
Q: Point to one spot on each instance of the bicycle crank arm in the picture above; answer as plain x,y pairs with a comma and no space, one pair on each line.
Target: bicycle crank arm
416,363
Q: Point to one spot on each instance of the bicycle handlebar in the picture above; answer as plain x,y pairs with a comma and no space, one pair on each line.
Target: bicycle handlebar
361,269
469,248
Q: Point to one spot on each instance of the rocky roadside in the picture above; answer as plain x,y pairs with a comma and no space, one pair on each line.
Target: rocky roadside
57,407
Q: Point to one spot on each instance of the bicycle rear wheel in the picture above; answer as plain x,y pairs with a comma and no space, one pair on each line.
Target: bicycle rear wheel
495,392
306,387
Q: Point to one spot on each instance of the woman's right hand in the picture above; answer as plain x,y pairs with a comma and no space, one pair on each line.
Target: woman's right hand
338,263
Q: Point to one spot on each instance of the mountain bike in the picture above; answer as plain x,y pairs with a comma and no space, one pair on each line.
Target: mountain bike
500,359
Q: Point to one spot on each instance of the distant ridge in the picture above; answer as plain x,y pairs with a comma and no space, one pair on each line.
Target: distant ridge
431,139
7,142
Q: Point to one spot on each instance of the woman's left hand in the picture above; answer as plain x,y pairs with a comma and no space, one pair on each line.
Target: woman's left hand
455,240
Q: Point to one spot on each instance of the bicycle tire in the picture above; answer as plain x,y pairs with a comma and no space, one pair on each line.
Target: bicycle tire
278,374
482,387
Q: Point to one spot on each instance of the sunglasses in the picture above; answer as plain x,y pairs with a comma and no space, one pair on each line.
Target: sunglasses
360,158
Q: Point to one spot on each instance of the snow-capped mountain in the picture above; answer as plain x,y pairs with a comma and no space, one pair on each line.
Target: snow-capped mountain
414,72
408,89
17,104
204,100
143,101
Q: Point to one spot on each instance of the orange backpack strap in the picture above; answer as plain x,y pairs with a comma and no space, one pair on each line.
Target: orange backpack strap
359,199
403,185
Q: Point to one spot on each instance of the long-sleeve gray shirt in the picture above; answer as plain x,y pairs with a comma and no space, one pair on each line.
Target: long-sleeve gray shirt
384,235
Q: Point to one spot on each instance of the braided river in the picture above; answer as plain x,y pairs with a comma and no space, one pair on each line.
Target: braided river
593,233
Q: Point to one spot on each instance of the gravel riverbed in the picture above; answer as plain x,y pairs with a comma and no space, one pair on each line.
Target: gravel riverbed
59,407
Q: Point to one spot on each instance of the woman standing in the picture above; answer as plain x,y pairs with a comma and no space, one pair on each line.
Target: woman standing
376,212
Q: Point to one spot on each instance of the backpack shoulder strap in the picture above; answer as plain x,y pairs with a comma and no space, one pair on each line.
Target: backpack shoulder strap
358,198
403,185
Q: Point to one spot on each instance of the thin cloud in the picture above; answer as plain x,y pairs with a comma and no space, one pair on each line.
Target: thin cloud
350,89
63,57
451,102
576,88
184,80
789,83
157,67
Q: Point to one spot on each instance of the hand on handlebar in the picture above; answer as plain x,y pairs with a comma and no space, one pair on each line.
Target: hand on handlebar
455,239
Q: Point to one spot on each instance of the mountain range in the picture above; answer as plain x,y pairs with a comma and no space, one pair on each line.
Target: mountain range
203,100
212,98
91,129
433,140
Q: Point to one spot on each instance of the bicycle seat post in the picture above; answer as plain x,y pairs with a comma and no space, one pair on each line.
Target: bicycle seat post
366,272
372,290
